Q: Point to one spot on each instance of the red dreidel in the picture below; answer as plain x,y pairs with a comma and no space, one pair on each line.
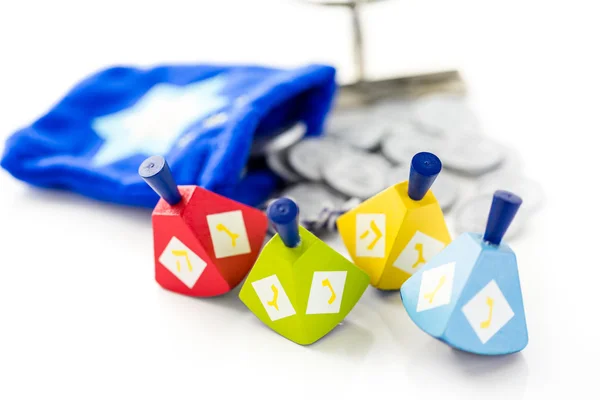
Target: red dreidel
204,243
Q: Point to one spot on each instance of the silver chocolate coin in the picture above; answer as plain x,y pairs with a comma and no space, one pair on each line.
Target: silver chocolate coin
446,189
472,216
278,142
512,162
308,156
445,113
394,110
398,174
529,190
357,175
312,198
341,120
277,162
400,146
473,155
364,136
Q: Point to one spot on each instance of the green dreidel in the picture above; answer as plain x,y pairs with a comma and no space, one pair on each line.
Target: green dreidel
299,286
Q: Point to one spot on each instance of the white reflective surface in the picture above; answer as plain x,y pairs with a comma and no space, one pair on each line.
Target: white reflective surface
81,316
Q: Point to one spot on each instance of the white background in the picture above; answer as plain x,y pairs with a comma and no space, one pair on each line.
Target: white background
80,314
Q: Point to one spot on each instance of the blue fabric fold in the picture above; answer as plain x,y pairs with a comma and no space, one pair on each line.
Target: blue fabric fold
201,118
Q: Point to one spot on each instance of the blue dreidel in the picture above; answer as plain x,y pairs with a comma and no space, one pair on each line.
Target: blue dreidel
469,295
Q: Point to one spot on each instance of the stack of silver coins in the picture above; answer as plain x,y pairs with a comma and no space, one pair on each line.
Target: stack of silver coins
366,149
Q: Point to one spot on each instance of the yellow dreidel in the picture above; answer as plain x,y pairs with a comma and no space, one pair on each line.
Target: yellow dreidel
394,233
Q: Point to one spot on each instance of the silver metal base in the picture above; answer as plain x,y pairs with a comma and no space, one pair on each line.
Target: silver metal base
368,92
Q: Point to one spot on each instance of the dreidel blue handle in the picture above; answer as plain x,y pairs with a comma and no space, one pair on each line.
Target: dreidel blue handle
157,174
284,215
504,208
424,168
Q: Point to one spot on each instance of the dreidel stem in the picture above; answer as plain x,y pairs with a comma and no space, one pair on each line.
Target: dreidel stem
424,168
284,215
156,173
504,208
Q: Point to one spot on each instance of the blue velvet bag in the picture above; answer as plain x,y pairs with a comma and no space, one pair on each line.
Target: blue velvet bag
201,118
